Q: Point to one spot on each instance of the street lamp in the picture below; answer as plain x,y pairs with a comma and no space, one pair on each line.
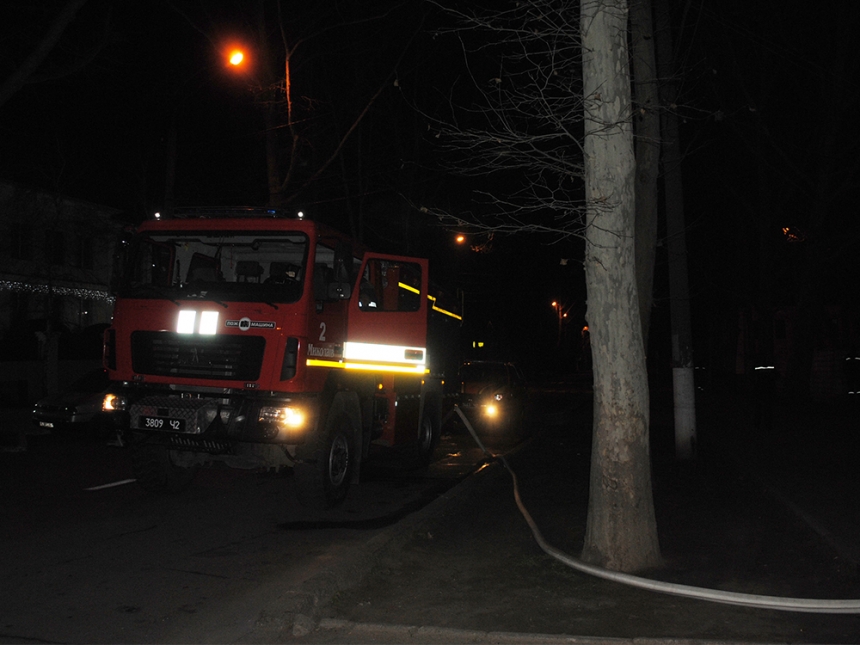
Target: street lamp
236,57
257,65
561,312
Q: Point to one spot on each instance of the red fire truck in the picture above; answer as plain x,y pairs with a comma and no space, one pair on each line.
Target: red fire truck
255,339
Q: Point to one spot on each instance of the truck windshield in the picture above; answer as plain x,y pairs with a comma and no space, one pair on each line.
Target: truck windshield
221,265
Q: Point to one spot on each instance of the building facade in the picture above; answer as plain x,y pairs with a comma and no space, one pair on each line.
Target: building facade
56,262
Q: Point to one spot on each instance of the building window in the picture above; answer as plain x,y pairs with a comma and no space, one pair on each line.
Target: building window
19,307
56,248
21,241
86,249
80,252
75,248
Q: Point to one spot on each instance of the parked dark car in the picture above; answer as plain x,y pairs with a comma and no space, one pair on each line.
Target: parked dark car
75,410
492,394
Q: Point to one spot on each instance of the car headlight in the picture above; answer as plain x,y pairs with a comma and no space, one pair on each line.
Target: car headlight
491,410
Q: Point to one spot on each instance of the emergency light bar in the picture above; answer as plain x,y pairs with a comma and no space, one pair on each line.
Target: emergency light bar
227,212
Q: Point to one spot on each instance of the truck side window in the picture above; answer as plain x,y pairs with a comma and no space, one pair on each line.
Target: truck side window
332,273
390,286
323,277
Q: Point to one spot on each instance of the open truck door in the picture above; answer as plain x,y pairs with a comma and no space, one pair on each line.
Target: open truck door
387,322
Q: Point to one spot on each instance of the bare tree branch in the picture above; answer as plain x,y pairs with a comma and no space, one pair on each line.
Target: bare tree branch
43,48
524,121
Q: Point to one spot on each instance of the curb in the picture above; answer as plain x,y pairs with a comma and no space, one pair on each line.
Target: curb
387,633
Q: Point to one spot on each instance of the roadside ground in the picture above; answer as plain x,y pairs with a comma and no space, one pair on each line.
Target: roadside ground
750,514
769,510
15,426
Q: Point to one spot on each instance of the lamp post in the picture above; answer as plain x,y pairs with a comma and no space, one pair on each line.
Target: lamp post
561,312
239,60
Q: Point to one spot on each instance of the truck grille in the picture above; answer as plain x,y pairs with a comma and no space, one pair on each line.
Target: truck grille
212,446
160,353
192,416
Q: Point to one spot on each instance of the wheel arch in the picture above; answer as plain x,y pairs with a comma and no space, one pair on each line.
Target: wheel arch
429,419
431,399
338,398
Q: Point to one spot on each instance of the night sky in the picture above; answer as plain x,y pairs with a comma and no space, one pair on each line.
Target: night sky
768,104
101,133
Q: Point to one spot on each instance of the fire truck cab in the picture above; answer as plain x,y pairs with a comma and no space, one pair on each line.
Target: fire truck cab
253,339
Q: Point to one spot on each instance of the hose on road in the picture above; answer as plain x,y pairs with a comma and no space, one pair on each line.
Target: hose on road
808,605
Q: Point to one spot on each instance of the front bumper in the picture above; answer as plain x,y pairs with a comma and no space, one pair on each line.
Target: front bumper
212,420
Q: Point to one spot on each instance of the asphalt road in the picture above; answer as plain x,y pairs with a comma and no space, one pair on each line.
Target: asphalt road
87,556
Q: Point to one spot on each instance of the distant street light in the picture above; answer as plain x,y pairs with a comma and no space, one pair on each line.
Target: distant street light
477,242
561,312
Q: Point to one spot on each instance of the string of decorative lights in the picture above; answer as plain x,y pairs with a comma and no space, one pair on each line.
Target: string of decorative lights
29,287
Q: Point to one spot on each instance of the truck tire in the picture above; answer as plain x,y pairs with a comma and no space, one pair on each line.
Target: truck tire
429,430
156,472
322,481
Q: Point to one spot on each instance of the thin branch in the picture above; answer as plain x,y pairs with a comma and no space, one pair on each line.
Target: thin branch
26,70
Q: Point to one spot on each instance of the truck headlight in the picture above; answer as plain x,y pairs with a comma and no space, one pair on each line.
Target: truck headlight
286,417
114,403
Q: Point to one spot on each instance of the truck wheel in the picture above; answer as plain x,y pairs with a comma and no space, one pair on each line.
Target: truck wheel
322,481
428,435
156,472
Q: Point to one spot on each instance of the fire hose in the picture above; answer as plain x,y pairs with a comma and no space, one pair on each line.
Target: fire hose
808,605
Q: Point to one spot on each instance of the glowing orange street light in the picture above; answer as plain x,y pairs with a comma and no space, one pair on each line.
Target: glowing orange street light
236,57
460,239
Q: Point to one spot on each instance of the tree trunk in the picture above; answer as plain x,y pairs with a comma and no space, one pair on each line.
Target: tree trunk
621,529
646,127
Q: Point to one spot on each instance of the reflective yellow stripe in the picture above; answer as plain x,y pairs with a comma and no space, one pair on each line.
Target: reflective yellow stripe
409,288
432,299
371,367
385,367
378,358
316,362
443,311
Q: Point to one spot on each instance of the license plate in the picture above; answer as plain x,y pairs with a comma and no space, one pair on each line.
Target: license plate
46,424
162,423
